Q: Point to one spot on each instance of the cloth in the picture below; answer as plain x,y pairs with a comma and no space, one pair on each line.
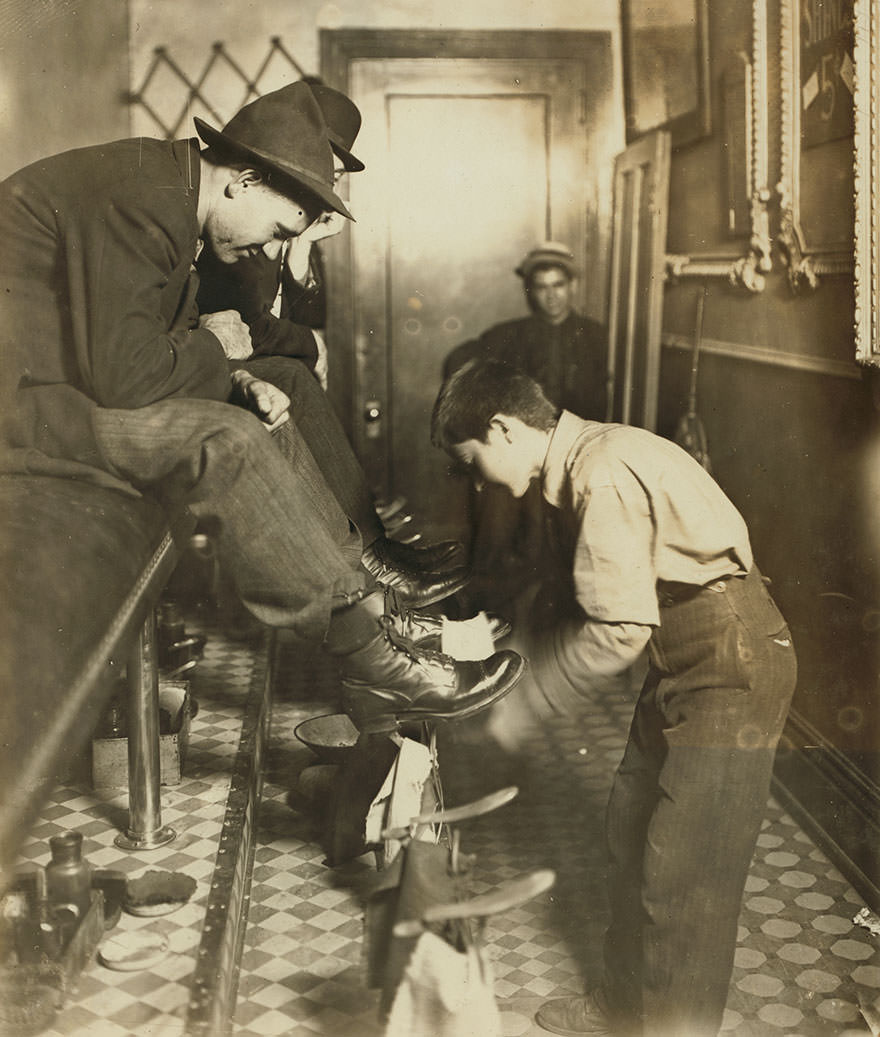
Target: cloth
568,360
417,878
250,286
629,510
314,417
656,553
405,793
281,535
306,304
97,296
445,993
687,804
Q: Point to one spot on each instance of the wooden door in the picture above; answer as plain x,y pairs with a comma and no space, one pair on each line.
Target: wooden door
638,269
470,162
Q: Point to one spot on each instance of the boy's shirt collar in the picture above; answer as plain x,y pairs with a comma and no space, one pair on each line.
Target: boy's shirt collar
553,474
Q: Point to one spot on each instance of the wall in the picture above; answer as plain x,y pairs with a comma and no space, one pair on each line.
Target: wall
794,437
64,74
245,27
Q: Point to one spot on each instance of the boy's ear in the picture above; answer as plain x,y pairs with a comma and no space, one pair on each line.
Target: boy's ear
501,423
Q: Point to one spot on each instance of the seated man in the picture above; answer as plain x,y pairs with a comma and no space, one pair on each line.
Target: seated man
655,555
287,354
277,292
566,353
109,374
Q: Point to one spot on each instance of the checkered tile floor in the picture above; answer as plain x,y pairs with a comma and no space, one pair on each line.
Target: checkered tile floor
153,1002
802,966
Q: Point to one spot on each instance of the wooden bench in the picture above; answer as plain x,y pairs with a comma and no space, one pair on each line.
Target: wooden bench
81,570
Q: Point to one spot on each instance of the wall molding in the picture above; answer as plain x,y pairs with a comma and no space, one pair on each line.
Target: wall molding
763,355
834,801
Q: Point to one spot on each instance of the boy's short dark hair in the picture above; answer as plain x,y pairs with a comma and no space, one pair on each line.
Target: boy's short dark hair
476,392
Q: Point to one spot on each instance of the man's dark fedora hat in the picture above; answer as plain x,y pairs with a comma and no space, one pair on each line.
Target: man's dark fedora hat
343,122
283,131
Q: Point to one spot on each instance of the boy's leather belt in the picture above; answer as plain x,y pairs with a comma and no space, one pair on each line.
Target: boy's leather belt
669,593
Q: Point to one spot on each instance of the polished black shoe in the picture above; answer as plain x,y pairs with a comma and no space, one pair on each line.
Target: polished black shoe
433,558
426,631
391,679
413,588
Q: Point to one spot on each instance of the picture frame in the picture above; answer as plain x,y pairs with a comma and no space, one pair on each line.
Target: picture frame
816,192
657,39
866,255
746,269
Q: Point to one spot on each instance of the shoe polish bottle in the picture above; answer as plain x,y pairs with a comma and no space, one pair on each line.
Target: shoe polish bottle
68,876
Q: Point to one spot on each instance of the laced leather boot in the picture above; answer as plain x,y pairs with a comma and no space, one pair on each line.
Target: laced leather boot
414,587
426,631
433,558
385,678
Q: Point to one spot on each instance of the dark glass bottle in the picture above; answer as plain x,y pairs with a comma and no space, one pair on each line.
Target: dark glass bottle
68,876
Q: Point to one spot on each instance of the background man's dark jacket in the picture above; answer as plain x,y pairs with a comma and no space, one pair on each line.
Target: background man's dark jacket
568,360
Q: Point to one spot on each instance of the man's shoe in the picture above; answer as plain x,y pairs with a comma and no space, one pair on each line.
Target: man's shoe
573,1016
415,588
434,558
426,631
391,679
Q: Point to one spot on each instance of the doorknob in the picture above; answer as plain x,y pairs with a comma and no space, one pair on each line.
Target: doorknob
373,418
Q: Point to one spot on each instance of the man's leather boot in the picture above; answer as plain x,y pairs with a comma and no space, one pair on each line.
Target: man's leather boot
424,629
414,587
386,679
433,558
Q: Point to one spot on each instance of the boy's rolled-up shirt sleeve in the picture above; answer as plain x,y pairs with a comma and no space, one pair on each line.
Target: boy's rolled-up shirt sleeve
567,661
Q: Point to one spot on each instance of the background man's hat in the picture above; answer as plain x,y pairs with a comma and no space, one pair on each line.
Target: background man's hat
343,122
548,253
283,131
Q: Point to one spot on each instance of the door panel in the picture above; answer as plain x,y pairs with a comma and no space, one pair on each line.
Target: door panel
641,204
470,162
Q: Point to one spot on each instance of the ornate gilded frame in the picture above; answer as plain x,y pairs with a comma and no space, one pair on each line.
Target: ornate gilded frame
867,182
806,261
749,270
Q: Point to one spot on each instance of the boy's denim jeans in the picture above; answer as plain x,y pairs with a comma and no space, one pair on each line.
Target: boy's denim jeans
688,801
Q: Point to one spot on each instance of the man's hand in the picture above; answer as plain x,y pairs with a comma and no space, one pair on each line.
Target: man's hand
325,226
513,722
232,332
267,401
297,257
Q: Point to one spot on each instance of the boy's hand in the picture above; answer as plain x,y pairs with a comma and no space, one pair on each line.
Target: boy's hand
512,722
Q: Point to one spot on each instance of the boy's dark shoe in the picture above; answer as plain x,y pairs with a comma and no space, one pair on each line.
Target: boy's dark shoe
573,1016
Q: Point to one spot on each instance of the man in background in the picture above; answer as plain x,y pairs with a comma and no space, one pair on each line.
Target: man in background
566,353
